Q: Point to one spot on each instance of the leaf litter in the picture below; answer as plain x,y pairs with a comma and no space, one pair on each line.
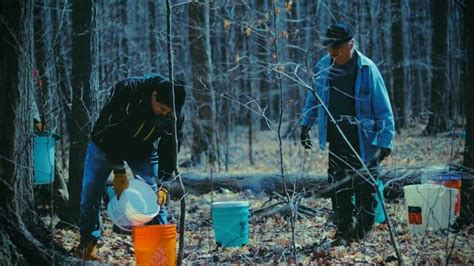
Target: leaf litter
270,236
270,239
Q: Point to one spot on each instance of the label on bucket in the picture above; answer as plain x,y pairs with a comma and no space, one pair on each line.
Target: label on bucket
414,215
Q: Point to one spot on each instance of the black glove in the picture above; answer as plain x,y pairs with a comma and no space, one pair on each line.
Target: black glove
305,138
384,153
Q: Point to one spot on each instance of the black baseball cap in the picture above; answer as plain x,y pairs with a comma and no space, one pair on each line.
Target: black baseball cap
338,34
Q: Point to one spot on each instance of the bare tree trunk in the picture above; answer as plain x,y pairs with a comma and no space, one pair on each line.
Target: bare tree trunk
250,90
46,64
428,51
152,30
229,115
264,56
417,43
454,58
23,236
62,23
467,187
201,66
398,64
294,56
438,121
84,109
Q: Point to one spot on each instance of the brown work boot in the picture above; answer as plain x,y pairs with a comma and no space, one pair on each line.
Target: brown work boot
86,250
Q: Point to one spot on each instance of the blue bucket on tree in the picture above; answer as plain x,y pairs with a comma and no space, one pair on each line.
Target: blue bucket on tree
43,157
230,220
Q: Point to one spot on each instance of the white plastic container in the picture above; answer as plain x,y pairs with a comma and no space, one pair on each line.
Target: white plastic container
137,205
429,207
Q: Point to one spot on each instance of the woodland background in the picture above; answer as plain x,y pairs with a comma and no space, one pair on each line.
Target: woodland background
246,65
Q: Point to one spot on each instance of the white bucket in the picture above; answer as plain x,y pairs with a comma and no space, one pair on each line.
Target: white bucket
137,205
429,207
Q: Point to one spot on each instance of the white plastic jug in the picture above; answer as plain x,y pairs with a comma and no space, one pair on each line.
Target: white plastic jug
137,205
429,207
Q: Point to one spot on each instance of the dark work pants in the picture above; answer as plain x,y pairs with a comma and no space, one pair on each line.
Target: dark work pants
353,219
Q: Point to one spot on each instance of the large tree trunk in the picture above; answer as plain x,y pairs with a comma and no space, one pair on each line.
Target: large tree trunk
439,118
64,87
467,188
84,110
398,64
23,237
46,93
228,113
201,66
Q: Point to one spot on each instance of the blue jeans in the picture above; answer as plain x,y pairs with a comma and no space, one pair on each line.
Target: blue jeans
97,168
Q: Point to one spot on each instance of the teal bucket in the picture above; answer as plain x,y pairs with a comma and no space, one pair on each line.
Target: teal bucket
379,215
230,220
43,157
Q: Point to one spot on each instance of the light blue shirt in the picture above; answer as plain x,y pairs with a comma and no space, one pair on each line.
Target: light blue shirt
376,125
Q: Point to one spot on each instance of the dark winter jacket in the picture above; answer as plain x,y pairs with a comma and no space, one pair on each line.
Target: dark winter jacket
127,128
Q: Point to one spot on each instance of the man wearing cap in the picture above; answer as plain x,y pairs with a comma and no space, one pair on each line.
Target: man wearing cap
351,87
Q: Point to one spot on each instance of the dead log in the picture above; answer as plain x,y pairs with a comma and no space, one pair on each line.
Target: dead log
257,183
314,185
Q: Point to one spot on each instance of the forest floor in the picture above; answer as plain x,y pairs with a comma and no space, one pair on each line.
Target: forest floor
270,236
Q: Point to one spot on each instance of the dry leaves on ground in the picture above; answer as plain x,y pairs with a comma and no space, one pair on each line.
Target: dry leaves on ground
270,238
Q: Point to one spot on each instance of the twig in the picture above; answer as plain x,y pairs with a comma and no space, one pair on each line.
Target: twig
181,230
280,144
175,151
262,210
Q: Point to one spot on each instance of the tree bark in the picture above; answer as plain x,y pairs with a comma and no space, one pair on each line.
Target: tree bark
84,110
398,63
23,237
439,118
264,56
201,67
47,94
467,185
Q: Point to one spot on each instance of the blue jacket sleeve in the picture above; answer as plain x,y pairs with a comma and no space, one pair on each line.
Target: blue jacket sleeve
310,110
383,115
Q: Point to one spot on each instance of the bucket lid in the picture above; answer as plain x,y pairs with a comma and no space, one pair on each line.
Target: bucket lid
227,204
125,214
142,194
446,177
39,133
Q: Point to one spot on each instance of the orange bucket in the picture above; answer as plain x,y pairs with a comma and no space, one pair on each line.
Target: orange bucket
155,244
